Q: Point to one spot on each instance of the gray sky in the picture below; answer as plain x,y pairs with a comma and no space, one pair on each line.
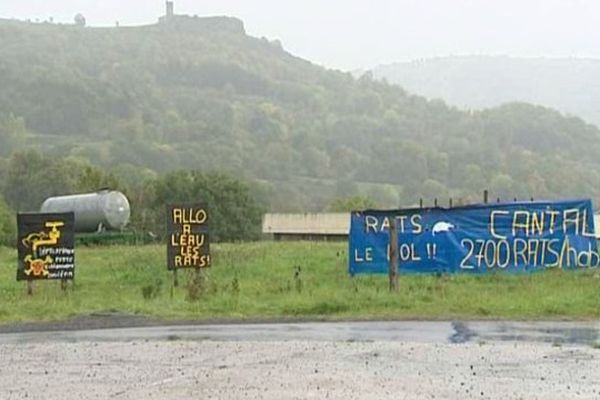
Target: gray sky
353,34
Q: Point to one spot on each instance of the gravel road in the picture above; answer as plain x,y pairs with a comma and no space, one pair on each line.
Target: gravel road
297,369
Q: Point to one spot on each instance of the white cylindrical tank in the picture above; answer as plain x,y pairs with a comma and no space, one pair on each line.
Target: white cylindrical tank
105,209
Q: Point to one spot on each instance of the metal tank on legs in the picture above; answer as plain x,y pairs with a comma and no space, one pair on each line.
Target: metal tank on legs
105,210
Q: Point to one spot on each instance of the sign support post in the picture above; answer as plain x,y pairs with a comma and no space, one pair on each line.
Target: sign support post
393,264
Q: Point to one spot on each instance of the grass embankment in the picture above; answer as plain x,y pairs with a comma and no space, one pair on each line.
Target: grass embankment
257,281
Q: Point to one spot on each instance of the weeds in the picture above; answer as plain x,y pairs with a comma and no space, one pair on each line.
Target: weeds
270,280
298,279
152,290
235,285
196,286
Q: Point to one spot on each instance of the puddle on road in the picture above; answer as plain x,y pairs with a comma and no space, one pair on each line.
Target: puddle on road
464,332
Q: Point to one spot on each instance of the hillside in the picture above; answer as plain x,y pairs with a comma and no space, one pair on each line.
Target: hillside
570,85
198,93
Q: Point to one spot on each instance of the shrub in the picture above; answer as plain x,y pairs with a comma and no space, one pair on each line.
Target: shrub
8,225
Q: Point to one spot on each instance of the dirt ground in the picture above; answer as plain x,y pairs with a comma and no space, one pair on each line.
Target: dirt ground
297,370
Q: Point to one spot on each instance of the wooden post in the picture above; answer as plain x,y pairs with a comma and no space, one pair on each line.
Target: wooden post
435,203
421,203
498,200
485,196
450,202
393,263
63,285
175,280
30,288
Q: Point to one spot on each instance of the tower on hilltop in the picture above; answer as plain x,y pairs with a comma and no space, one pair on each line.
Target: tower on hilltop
170,9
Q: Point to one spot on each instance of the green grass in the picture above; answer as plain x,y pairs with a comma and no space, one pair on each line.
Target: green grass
256,280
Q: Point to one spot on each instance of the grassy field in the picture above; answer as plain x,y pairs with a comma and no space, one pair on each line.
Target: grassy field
257,281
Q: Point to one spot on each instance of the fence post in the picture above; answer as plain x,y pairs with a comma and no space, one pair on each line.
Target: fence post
485,196
393,263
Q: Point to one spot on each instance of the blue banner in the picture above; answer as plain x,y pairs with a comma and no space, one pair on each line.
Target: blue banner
514,237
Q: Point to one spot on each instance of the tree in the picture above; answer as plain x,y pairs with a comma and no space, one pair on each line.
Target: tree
92,179
32,177
12,134
79,20
503,186
348,204
8,225
234,213
433,189
386,196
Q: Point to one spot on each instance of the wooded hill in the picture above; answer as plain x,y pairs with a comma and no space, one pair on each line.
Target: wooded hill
198,93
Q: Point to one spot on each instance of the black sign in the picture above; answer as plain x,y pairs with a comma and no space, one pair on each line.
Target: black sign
46,247
187,235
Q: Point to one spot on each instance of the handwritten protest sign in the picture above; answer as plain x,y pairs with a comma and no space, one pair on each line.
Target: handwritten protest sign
515,237
45,247
187,235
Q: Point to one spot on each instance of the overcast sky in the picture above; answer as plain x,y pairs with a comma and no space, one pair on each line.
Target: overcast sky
354,34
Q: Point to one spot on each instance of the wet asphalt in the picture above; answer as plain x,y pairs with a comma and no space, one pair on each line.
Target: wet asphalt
441,332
